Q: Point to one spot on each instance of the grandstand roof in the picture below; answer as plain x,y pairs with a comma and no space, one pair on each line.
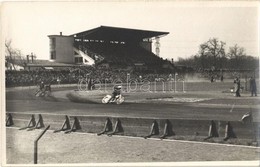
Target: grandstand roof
116,33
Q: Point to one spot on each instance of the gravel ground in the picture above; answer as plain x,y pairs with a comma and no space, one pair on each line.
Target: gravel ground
88,148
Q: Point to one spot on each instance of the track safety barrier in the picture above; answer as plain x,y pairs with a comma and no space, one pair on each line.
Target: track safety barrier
167,130
229,133
65,126
140,127
117,129
9,120
154,130
75,126
31,123
38,125
107,128
213,132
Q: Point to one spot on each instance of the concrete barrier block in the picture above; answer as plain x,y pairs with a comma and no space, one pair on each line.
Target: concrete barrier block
136,126
118,128
188,127
90,124
9,120
76,126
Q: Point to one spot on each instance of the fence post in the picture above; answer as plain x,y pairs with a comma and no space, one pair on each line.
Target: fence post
36,145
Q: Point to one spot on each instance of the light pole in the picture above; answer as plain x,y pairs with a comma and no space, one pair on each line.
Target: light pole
175,77
33,56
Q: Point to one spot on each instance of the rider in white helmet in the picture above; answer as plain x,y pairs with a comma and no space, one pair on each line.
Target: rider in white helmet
117,91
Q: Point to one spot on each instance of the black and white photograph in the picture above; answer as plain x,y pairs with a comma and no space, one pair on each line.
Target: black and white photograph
130,83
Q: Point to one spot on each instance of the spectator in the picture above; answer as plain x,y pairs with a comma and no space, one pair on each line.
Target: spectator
252,86
58,80
237,87
221,78
41,86
212,79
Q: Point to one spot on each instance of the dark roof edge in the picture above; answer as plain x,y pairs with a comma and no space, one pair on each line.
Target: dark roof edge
134,29
94,29
58,35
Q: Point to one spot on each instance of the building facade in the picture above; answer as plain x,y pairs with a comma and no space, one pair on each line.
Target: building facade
61,48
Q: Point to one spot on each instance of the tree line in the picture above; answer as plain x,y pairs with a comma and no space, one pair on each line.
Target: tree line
13,56
213,55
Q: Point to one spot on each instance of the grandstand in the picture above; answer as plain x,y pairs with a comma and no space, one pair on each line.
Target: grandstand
108,47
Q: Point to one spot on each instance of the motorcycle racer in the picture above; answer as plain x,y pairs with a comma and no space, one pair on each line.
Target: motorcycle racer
116,92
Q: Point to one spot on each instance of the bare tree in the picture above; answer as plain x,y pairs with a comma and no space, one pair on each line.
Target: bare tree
237,56
13,56
236,51
213,51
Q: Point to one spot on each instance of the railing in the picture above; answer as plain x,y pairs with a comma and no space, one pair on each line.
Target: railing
36,145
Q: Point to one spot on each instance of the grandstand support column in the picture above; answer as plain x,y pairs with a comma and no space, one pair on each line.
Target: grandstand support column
82,43
157,45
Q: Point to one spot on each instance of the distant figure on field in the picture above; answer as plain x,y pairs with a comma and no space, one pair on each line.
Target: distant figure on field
221,78
252,86
58,80
41,86
212,79
237,87
89,82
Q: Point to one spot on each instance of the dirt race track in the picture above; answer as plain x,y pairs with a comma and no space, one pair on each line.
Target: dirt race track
213,105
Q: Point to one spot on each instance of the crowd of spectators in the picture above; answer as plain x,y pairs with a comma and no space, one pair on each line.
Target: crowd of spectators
33,77
75,75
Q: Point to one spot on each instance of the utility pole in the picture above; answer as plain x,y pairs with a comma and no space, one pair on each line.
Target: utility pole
33,56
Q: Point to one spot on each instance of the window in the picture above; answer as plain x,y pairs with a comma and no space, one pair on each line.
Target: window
52,43
53,55
78,60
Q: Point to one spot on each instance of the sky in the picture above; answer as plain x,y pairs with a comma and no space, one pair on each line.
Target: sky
189,24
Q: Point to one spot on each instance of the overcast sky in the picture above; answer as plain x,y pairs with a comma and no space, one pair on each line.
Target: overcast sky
29,23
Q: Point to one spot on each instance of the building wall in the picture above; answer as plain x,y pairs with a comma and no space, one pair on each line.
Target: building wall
61,49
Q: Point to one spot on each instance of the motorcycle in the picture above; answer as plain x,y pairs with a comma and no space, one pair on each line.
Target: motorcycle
46,91
119,99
